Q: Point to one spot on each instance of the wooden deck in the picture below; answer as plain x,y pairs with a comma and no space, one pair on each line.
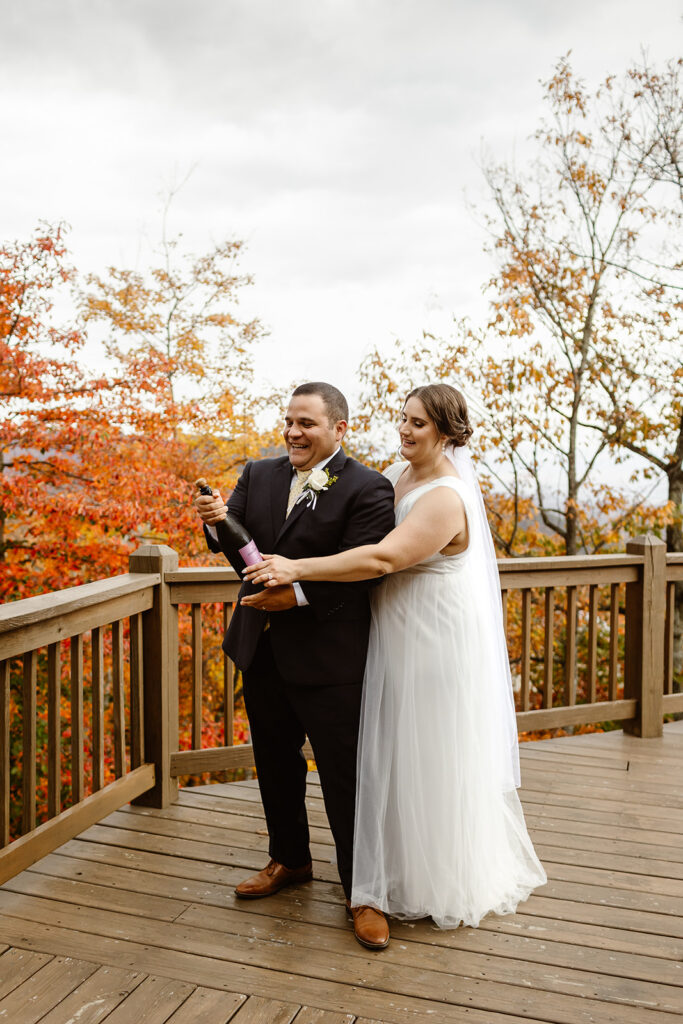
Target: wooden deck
135,922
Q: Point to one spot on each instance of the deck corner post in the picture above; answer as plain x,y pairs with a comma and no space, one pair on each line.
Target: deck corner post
160,673
644,638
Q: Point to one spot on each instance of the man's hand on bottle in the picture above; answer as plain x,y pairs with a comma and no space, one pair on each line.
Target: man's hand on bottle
211,508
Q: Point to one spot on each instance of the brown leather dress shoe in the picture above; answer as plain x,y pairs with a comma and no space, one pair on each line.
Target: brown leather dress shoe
273,878
370,926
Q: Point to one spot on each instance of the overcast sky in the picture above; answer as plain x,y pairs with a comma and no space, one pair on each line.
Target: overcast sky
339,138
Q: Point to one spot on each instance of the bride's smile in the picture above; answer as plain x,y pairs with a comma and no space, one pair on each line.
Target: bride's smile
420,440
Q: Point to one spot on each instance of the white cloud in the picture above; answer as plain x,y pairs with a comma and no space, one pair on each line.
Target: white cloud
336,137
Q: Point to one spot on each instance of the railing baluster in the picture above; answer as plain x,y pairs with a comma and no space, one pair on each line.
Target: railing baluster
504,599
28,749
613,639
76,718
137,711
592,642
526,647
644,637
196,677
4,752
669,637
548,647
570,648
54,729
118,704
97,709
228,685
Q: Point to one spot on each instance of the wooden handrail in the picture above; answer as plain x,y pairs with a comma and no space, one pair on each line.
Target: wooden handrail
40,621
560,563
19,614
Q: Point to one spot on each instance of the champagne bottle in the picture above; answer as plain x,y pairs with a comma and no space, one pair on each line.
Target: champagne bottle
235,541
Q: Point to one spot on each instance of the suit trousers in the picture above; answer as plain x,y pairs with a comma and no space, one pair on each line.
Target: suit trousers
281,715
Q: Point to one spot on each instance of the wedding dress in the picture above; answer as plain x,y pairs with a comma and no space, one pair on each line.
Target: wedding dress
439,827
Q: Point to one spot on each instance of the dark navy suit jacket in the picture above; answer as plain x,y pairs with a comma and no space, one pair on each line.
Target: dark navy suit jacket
326,641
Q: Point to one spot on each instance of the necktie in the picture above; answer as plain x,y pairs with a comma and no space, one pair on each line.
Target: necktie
302,476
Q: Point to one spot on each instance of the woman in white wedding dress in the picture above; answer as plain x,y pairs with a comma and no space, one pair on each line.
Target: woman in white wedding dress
439,830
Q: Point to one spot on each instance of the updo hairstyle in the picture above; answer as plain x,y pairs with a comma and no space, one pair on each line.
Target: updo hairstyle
448,409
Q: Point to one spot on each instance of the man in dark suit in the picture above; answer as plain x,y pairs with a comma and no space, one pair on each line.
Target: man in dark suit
302,648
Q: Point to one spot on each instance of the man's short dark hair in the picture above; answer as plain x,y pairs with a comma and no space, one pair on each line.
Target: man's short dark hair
336,406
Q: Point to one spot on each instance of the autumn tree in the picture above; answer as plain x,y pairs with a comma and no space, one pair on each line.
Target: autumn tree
184,359
585,297
183,352
94,462
52,411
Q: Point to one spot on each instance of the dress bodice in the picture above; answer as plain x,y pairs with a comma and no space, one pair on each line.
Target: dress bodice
436,562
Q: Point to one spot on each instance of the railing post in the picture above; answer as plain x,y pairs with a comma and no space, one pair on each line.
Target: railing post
644,654
160,674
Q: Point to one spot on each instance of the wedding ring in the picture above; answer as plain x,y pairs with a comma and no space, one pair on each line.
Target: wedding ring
270,575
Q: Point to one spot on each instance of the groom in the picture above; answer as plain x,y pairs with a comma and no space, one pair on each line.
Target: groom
302,647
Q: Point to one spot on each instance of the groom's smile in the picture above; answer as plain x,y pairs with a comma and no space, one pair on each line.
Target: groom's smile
309,435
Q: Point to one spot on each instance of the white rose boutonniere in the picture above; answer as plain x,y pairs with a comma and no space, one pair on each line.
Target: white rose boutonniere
318,482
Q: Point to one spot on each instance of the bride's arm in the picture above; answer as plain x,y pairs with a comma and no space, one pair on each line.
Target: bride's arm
435,520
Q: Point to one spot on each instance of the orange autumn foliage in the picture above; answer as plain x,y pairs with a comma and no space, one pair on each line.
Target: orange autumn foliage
98,459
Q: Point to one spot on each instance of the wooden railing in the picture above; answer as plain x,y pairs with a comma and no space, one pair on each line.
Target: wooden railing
591,640
41,627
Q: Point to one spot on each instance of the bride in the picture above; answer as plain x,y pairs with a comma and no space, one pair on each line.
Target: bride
439,827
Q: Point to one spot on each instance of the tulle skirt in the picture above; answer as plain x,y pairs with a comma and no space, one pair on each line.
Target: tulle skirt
435,835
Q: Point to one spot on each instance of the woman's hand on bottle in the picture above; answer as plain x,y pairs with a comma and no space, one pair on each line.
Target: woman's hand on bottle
273,571
211,507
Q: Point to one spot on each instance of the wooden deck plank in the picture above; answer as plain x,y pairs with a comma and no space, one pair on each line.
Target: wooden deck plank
588,904
241,920
96,997
308,1015
456,958
665,847
238,806
536,797
508,991
17,965
251,850
172,824
563,850
626,872
601,942
235,837
633,788
266,1011
38,994
485,938
152,1002
151,860
631,825
608,837
215,973
140,904
666,748
207,1006
213,853
212,818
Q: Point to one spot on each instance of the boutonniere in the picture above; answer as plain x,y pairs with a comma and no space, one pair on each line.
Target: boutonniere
318,482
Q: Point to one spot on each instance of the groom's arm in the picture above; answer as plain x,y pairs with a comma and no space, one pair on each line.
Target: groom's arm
237,504
370,520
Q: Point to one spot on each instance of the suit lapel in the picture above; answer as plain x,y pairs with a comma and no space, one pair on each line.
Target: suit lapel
279,493
334,466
